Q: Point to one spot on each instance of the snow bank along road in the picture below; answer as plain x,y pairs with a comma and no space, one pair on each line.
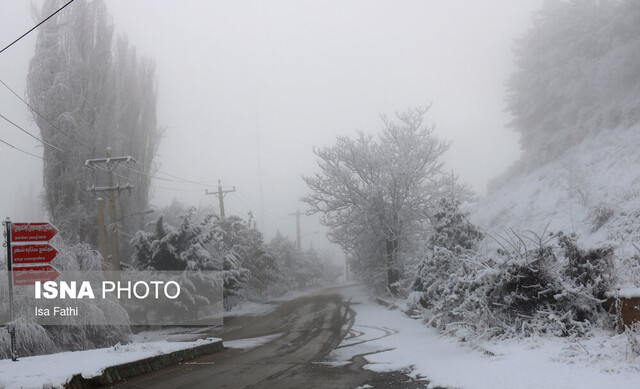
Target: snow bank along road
296,336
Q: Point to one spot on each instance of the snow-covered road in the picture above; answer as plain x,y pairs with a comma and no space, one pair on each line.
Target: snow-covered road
298,343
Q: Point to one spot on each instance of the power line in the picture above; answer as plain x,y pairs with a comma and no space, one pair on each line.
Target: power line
176,179
30,134
126,234
247,200
23,151
43,117
175,189
154,185
36,26
207,183
160,178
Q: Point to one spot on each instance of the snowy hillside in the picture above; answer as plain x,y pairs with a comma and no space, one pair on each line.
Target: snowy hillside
592,190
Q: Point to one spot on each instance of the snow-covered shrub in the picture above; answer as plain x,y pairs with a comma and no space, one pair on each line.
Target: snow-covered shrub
34,339
552,288
248,264
201,242
589,269
633,338
524,284
250,268
234,279
441,283
533,284
441,286
175,249
452,230
454,240
600,215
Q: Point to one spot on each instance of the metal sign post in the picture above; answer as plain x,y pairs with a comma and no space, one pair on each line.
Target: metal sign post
11,327
30,248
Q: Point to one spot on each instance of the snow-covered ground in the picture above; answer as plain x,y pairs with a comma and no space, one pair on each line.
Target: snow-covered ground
46,371
598,176
390,340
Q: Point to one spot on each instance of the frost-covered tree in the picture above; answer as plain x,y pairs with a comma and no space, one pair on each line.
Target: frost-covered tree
248,263
453,242
330,268
308,268
576,75
174,212
235,279
232,246
177,248
452,229
286,251
289,259
376,194
90,91
298,268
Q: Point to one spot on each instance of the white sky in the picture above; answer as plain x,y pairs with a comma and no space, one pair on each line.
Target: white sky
293,75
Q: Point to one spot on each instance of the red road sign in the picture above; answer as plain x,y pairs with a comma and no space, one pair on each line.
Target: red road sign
32,253
28,275
32,232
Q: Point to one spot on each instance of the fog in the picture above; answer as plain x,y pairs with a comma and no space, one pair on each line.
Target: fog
248,88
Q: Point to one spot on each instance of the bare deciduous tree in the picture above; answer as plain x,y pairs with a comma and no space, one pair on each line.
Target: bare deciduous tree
376,194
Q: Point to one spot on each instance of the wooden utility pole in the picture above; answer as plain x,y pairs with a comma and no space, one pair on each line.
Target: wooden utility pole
297,214
108,165
220,193
346,268
102,233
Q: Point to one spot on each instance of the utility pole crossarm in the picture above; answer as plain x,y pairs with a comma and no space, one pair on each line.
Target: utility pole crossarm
220,193
95,161
108,165
110,188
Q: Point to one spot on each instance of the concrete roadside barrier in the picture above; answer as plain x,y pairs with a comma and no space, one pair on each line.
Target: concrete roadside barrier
118,373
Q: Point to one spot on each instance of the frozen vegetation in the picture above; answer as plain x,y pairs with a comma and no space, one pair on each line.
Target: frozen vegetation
557,234
519,277
251,269
36,339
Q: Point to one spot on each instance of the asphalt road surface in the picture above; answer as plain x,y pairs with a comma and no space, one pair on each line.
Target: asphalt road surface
307,329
